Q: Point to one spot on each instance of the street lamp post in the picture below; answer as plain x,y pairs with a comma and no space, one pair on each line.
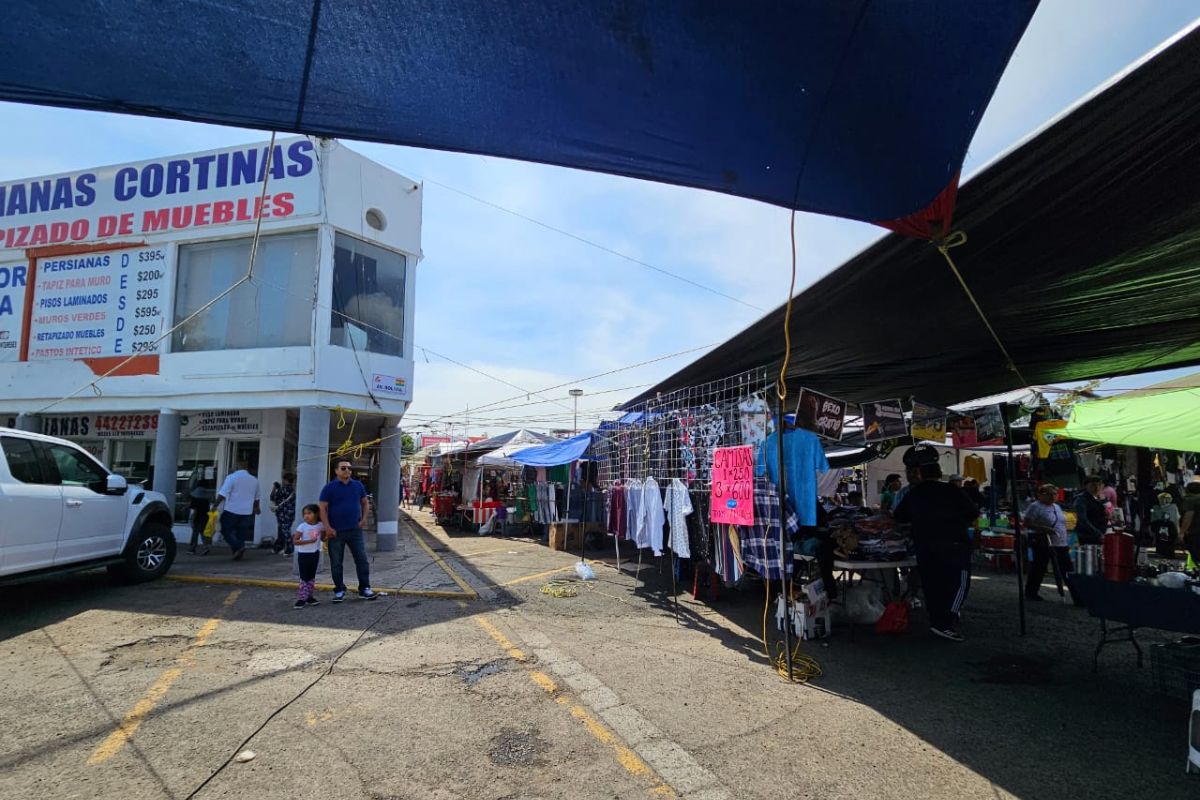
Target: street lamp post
576,394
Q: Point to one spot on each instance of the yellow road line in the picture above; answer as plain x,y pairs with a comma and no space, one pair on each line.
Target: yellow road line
483,552
626,757
536,575
133,720
325,587
454,576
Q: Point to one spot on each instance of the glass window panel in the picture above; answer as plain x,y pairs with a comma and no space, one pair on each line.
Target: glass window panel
368,297
23,462
197,474
272,310
76,469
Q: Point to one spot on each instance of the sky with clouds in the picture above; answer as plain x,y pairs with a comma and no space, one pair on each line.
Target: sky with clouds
517,304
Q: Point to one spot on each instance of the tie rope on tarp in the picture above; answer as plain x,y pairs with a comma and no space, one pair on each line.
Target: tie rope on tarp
957,239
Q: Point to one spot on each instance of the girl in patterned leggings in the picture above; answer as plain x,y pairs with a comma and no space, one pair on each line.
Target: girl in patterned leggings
307,540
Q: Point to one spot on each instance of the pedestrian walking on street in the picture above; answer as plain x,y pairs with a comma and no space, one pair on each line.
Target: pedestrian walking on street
240,499
199,503
307,542
343,505
283,502
940,515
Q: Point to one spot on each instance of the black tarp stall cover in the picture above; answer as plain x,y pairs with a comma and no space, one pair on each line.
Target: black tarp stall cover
1083,250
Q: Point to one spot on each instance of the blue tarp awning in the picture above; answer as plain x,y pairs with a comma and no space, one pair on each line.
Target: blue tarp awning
852,108
553,455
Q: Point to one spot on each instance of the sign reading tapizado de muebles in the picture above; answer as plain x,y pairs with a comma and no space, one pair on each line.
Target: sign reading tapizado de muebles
113,302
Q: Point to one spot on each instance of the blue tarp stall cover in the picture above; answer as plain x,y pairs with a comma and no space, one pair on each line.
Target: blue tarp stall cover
856,109
553,455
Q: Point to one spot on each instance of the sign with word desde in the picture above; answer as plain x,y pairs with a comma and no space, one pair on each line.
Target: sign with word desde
99,304
821,414
732,486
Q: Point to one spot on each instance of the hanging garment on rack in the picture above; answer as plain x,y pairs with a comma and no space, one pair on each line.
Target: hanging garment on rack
760,541
973,467
699,530
547,503
687,454
679,506
633,509
803,458
654,517
754,418
705,430
618,521
727,551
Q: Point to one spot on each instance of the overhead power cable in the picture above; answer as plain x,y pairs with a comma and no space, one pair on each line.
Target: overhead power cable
582,240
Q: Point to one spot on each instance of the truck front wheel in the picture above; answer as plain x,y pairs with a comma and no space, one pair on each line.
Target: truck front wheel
149,555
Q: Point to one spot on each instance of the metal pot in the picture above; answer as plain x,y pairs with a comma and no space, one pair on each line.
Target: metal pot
1088,559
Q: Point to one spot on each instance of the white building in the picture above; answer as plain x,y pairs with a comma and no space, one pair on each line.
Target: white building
131,322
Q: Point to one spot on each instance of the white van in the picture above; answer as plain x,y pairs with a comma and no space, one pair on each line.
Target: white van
61,510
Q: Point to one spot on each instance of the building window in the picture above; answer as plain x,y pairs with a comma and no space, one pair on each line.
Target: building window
368,297
273,309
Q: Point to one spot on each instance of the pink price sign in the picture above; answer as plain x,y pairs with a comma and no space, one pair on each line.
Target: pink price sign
733,486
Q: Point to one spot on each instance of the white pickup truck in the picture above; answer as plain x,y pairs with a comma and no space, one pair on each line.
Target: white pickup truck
61,510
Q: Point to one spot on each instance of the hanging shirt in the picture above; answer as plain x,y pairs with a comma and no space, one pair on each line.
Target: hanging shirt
727,554
618,521
803,458
974,467
760,542
634,521
679,505
754,418
654,517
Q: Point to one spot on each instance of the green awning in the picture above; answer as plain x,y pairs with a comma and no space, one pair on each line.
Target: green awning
1168,419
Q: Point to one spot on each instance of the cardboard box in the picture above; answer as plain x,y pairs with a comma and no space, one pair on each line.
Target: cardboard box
565,535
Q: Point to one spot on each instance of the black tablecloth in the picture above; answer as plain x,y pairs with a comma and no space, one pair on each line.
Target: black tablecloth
1138,605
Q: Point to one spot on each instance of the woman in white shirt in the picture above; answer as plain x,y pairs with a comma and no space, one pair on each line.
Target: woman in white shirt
1047,526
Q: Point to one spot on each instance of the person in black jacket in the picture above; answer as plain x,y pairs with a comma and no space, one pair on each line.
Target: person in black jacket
940,515
1091,518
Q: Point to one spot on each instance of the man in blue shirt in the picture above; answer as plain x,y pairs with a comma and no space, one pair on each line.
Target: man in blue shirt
343,505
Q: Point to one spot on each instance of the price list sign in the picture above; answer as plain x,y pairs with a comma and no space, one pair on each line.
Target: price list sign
99,304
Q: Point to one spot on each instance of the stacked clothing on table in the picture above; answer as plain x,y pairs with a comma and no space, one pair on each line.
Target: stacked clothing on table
863,536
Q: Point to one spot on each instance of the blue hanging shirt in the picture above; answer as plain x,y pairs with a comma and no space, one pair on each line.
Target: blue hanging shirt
803,457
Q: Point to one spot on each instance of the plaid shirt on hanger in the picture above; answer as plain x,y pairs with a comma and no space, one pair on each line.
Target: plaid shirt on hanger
760,542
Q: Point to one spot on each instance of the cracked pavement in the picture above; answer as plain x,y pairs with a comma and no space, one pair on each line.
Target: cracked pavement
523,695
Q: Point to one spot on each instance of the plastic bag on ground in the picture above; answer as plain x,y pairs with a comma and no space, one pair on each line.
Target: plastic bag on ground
584,571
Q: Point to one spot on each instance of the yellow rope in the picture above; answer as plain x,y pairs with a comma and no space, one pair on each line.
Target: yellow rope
957,239
562,587
781,387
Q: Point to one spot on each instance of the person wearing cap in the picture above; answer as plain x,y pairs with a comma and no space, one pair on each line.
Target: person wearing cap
940,515
955,480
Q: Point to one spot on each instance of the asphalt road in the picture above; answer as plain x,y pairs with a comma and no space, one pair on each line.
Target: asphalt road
151,691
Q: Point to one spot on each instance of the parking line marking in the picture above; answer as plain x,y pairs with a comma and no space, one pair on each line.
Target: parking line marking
628,759
454,576
265,583
145,706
